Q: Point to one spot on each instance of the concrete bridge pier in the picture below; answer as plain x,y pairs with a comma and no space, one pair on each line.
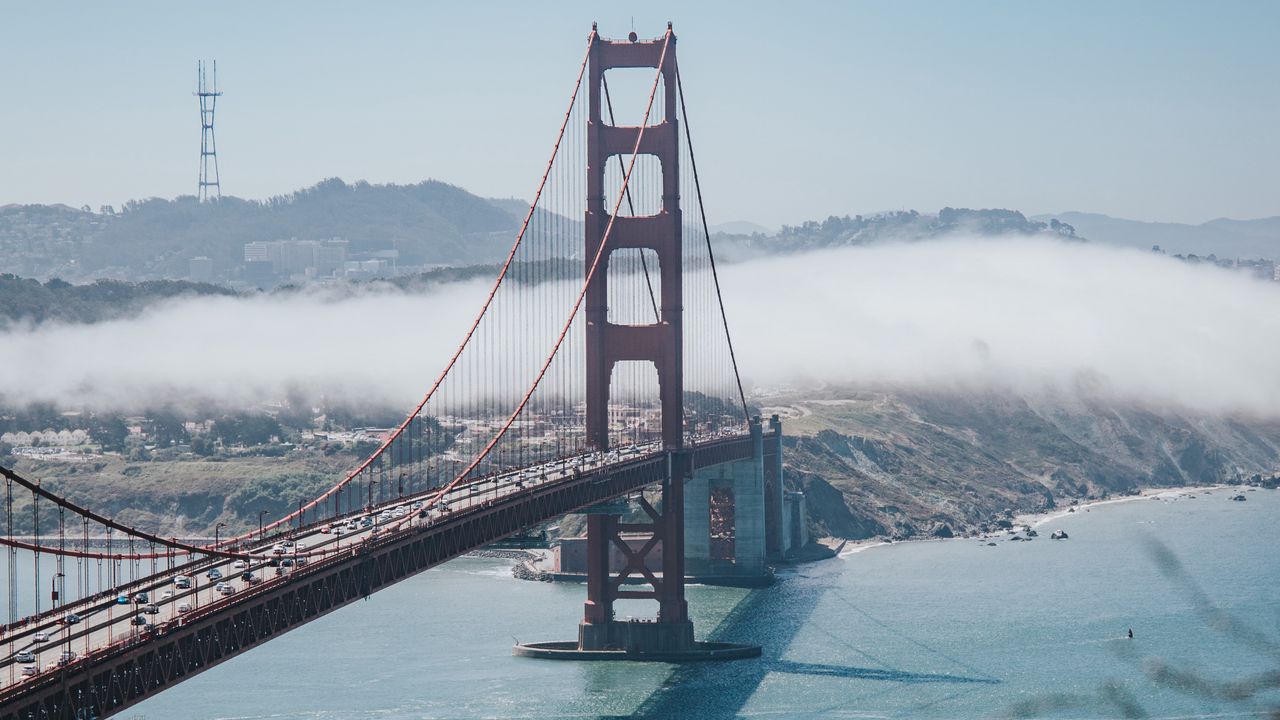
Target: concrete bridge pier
727,519
665,638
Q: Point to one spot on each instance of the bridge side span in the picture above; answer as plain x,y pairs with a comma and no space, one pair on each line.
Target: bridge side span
127,673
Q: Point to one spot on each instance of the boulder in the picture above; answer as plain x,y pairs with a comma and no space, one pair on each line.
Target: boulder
1058,535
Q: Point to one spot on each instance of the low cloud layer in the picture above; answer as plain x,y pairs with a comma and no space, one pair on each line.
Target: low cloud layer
377,348
1016,314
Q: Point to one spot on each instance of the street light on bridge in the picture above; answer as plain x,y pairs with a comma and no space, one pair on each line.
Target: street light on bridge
262,533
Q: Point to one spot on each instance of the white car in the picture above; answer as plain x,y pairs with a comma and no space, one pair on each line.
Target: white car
239,564
184,608
277,550
166,595
30,670
42,636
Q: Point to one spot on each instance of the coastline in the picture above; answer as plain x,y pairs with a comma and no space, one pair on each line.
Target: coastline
845,547
1036,520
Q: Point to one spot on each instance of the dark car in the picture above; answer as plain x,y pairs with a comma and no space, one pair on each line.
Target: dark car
138,620
151,610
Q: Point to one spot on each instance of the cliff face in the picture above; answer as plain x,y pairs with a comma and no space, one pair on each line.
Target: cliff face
906,464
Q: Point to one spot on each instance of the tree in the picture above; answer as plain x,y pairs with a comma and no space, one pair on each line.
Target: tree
168,429
110,433
203,446
246,429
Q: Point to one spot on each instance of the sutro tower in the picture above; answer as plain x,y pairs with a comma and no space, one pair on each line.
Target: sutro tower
208,95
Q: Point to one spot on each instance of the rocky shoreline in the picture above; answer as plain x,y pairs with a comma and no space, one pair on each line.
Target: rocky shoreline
1024,527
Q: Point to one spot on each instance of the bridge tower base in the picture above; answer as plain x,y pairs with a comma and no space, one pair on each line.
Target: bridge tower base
669,636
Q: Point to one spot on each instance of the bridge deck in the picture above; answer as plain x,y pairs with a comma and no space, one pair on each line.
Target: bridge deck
121,664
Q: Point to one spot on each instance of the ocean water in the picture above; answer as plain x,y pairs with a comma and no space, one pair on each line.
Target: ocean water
943,629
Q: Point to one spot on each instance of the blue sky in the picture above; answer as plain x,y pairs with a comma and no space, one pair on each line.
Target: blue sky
1153,111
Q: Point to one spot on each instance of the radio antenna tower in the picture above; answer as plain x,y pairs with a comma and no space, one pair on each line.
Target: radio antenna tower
208,95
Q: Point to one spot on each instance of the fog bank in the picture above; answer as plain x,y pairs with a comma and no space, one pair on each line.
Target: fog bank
956,314
1013,314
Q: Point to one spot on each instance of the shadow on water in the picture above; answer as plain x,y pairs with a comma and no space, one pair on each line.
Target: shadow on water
772,617
901,676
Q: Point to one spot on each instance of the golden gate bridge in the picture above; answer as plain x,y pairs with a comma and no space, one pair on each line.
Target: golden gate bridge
599,367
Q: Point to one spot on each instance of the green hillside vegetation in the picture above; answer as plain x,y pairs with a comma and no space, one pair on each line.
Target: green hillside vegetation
27,300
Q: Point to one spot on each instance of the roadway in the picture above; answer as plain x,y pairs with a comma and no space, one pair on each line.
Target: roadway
103,621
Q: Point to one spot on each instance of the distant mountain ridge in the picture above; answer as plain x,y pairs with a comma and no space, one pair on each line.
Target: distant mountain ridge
426,224
1259,238
432,224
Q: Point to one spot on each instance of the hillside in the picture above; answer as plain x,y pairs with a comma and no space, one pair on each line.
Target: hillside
30,301
427,224
912,463
907,225
400,228
1223,237
872,462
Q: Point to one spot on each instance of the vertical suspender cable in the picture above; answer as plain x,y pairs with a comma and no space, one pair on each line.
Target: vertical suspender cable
702,211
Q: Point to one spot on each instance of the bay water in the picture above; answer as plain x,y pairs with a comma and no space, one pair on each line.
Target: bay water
939,629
